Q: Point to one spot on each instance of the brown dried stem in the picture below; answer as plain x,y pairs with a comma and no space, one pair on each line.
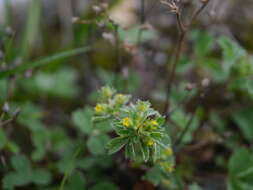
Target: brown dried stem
183,29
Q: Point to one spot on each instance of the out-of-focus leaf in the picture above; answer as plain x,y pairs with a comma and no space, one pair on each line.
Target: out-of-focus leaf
82,119
195,187
231,52
203,42
104,185
97,144
76,181
241,170
182,119
41,177
21,163
244,120
155,175
133,35
61,83
12,180
40,140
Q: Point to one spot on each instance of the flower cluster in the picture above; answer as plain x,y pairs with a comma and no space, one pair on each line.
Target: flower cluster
110,102
139,127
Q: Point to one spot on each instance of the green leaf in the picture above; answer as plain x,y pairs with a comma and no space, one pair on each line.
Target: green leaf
116,144
26,66
76,181
41,177
103,125
21,163
244,120
40,139
12,180
82,119
195,187
55,84
130,151
97,144
145,151
13,147
231,52
203,42
241,170
156,152
155,175
104,186
132,35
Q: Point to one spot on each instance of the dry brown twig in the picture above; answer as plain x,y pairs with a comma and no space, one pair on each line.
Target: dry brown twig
173,6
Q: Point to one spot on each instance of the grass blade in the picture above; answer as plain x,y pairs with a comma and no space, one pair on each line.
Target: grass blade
23,67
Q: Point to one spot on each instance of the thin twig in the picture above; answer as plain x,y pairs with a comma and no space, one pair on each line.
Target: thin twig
196,14
187,127
179,47
183,29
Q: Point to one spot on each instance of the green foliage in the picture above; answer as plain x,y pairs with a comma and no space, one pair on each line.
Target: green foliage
104,185
68,145
56,84
244,120
203,43
138,126
24,174
82,120
241,170
24,67
96,144
76,181
195,187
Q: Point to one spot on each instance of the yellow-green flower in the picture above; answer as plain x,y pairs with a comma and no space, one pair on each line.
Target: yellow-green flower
168,151
126,121
150,142
120,98
153,122
167,167
99,108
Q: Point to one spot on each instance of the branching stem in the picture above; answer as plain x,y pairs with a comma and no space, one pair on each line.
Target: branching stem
183,30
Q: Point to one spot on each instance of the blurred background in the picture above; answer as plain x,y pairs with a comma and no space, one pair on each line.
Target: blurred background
55,54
